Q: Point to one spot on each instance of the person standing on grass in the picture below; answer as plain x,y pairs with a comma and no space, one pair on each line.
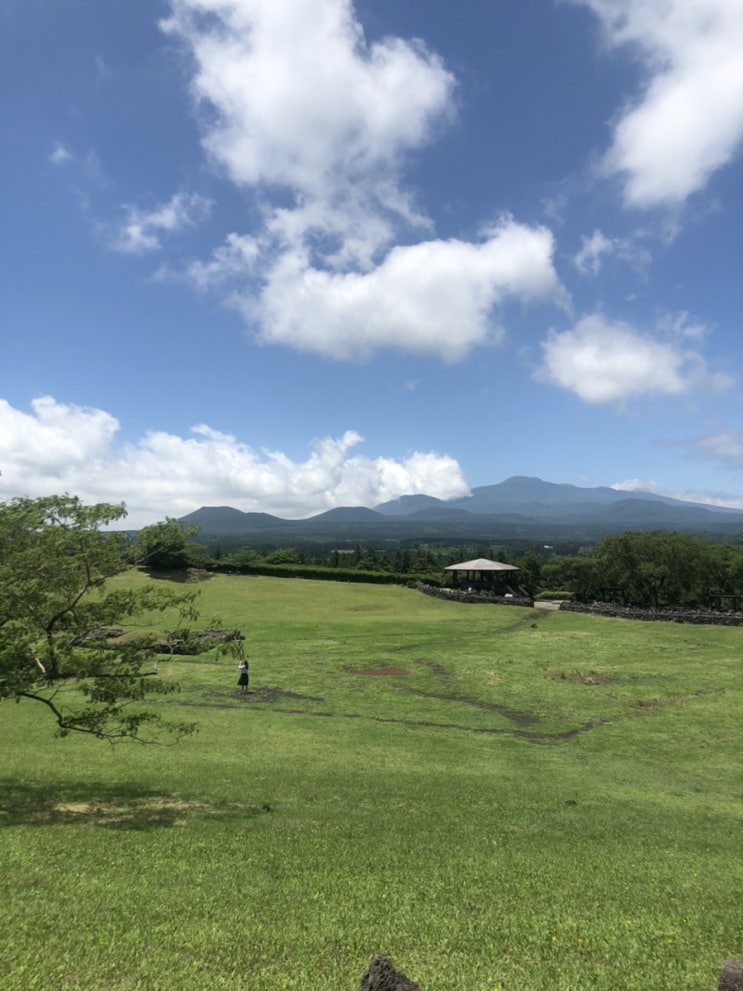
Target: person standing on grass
242,680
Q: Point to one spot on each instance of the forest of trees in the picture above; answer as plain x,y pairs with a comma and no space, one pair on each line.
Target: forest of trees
654,569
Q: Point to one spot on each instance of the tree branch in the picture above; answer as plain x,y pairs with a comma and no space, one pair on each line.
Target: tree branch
37,662
68,724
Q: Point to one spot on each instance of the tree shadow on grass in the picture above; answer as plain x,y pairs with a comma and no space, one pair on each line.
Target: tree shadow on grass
96,804
180,576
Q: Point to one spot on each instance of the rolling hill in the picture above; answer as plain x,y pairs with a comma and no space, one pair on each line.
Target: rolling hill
519,508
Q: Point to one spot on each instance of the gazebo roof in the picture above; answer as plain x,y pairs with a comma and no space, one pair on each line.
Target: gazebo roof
481,564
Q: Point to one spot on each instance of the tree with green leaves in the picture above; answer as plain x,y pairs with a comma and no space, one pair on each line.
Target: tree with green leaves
576,573
55,560
283,555
530,572
657,568
162,546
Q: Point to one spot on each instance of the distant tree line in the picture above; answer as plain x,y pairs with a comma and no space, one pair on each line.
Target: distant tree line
654,569
659,569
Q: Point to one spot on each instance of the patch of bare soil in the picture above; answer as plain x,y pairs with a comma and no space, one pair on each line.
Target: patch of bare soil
89,808
138,813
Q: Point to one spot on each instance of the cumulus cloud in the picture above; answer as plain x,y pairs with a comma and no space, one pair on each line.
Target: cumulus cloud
605,361
142,230
434,297
688,120
58,437
267,77
337,266
296,95
60,447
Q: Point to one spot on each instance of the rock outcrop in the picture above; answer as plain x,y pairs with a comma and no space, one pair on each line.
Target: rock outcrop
382,976
731,976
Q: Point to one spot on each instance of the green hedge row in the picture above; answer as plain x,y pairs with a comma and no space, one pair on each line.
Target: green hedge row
320,573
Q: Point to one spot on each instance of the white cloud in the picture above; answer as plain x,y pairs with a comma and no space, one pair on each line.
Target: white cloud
337,267
598,246
61,447
686,495
142,230
293,99
60,154
593,248
54,439
635,485
555,207
235,259
688,121
681,326
435,297
724,447
604,361
296,95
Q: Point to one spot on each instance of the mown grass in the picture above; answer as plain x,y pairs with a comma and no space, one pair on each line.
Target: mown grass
491,796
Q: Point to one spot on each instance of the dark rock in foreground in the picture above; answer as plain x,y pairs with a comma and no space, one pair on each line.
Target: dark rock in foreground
731,976
382,976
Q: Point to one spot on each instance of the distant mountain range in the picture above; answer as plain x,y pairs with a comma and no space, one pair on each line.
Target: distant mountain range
519,508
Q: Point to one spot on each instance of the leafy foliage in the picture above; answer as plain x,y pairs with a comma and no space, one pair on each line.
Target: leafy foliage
54,563
662,568
656,568
162,546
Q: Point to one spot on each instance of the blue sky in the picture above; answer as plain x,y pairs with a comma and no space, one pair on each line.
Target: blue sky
287,255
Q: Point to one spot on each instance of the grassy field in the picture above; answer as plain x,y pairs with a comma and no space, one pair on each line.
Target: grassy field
494,797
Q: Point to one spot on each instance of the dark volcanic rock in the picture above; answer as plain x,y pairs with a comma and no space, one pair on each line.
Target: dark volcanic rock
382,976
99,635
731,976
196,641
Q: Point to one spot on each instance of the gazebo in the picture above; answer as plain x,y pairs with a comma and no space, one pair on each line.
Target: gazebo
483,574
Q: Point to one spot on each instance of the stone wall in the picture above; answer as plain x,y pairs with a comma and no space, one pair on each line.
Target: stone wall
699,616
476,598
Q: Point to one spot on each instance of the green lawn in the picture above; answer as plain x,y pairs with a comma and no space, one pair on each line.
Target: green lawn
494,797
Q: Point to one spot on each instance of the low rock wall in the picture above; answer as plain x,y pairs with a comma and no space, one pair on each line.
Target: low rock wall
482,598
698,616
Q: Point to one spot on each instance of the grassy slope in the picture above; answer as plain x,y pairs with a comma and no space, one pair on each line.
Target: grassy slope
541,800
